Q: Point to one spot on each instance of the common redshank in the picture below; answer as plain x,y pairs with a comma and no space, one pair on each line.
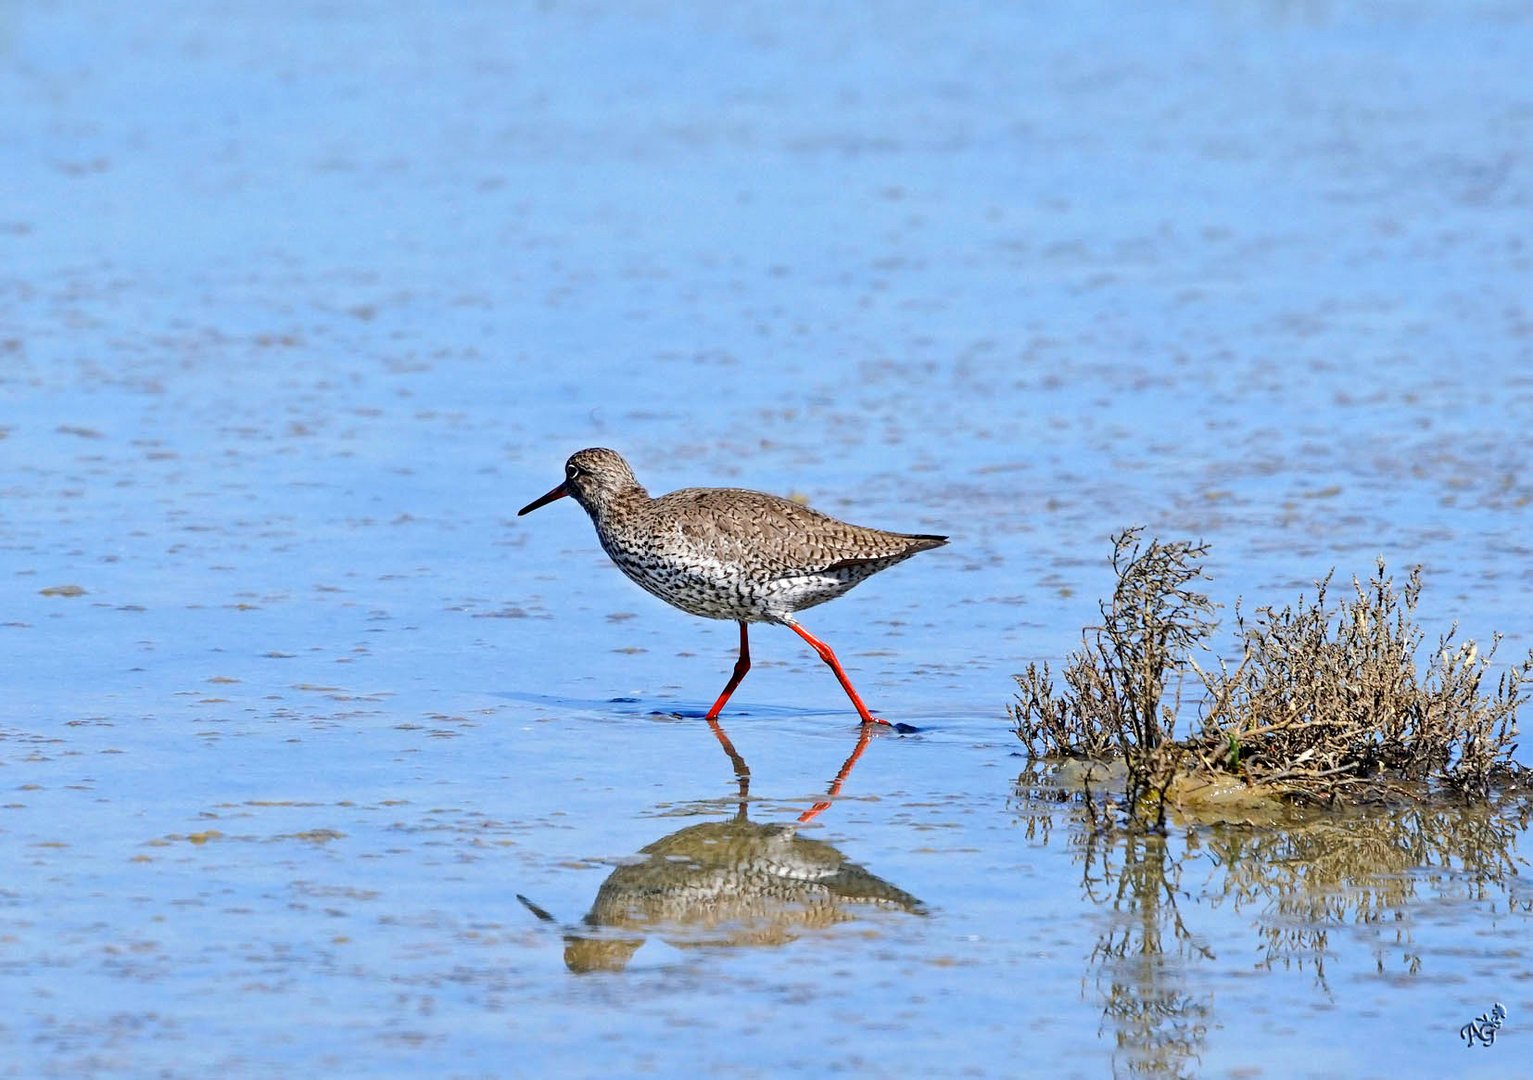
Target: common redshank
734,883
727,553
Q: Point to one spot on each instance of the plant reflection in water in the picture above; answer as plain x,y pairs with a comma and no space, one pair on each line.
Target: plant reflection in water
728,883
1314,887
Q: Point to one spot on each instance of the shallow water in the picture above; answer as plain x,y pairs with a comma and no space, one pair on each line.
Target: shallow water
301,304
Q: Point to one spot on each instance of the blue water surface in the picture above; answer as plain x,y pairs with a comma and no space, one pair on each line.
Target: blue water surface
302,300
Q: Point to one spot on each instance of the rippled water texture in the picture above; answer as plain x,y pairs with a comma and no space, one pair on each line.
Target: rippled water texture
302,301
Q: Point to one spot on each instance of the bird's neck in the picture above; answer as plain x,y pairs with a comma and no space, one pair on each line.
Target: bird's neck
617,505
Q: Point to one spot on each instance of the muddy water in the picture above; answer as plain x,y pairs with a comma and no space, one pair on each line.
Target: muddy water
300,305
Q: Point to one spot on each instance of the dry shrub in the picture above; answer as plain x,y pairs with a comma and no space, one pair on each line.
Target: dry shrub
1327,700
1116,683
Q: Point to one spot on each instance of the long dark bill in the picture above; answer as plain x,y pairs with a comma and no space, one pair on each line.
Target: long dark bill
557,493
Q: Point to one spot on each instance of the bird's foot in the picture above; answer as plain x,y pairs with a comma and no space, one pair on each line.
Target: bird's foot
879,722
900,729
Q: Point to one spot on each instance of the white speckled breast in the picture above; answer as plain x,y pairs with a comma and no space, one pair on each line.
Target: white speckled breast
713,589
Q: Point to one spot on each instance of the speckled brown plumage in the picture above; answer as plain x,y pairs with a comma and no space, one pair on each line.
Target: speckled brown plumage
726,883
728,553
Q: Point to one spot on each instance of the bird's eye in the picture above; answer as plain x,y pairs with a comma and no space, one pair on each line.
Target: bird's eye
572,471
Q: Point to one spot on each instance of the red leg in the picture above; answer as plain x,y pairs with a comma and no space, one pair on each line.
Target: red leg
742,770
742,665
846,770
835,665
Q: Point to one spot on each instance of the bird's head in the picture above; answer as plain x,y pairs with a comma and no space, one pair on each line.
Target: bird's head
594,478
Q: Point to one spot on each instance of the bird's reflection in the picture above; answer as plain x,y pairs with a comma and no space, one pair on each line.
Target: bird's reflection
728,883
743,771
